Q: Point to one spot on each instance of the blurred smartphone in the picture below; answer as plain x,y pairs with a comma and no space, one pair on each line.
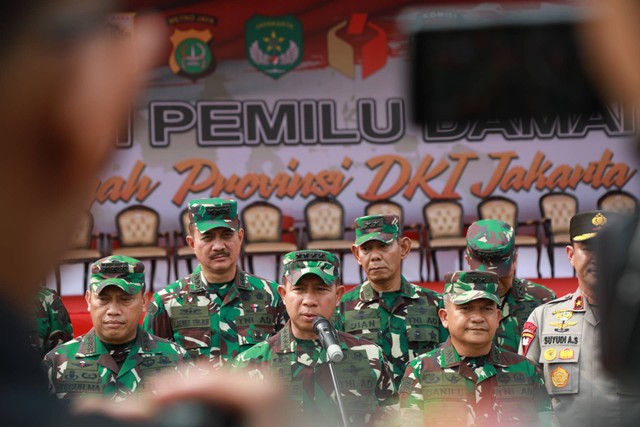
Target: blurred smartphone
496,66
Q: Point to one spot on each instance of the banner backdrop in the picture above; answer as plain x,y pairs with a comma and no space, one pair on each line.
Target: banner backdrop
298,99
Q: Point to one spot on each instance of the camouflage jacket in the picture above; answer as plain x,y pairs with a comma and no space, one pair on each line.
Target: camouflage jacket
212,328
443,389
523,297
50,324
410,328
364,376
84,367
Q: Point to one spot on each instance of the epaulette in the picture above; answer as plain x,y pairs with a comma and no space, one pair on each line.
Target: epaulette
519,286
561,299
243,281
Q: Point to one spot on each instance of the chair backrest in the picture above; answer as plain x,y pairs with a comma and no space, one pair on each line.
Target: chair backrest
324,218
262,222
384,207
444,218
138,225
559,208
501,208
82,234
618,201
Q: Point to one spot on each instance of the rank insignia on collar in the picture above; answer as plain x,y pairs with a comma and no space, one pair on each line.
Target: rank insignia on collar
579,304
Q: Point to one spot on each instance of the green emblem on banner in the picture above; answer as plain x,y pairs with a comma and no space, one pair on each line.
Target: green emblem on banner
274,43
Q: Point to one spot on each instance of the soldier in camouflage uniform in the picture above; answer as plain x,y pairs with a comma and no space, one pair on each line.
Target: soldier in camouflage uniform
310,288
491,247
469,380
402,318
116,358
50,325
218,311
564,337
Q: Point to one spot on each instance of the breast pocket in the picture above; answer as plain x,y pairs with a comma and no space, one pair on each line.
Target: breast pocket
422,327
363,323
254,327
561,370
192,326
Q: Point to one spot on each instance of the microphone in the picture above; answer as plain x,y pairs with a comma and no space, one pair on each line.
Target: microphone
325,331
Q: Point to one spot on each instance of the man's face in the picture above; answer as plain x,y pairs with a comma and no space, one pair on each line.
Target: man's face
471,325
115,314
583,258
309,298
217,249
381,261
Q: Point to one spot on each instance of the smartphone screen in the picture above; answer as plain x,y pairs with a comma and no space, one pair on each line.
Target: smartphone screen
497,72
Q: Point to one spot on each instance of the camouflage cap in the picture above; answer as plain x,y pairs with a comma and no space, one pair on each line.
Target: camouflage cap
321,263
213,213
465,286
491,246
118,270
385,228
586,225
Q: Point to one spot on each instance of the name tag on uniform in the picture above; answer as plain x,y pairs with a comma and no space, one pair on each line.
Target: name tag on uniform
262,319
81,379
358,320
421,315
442,385
190,317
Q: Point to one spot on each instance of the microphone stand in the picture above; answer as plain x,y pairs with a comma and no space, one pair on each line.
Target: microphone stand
345,421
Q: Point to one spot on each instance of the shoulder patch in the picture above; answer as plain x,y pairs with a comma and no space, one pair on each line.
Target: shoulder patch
406,385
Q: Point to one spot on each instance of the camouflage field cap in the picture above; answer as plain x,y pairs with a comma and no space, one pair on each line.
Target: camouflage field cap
586,225
465,286
385,228
122,271
321,263
213,213
491,246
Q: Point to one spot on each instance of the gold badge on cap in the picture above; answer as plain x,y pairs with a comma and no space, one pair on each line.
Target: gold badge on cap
550,354
599,220
560,377
566,354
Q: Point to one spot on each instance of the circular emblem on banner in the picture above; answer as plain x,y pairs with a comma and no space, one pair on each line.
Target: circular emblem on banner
193,55
550,354
559,377
566,353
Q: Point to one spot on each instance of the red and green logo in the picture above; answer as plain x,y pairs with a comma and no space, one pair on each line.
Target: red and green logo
274,44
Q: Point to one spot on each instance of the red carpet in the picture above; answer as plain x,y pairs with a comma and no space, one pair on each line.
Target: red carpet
81,321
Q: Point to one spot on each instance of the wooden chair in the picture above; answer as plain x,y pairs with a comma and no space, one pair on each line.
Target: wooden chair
182,251
504,209
618,201
445,229
85,247
556,209
139,236
325,228
262,223
414,231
